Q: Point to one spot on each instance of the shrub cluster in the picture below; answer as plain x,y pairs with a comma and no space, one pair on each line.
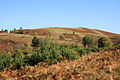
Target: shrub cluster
16,60
50,53
103,42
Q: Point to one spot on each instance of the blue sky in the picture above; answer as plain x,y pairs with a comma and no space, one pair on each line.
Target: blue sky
95,14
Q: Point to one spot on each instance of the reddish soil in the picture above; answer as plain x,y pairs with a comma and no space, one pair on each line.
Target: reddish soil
73,37
85,30
107,33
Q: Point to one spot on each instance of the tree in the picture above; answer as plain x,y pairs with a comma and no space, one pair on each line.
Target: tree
20,28
73,33
19,59
14,29
88,41
35,41
6,30
21,31
61,37
104,42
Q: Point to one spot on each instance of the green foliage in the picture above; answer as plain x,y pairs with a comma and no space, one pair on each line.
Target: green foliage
51,52
6,30
14,29
88,41
82,51
61,37
73,33
35,34
19,59
104,42
95,49
5,61
35,41
69,54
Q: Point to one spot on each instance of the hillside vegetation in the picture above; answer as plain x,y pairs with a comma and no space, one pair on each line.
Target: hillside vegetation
103,65
59,54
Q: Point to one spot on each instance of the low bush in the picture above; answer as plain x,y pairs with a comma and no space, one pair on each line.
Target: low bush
19,59
104,42
94,49
69,54
50,53
61,37
5,61
35,41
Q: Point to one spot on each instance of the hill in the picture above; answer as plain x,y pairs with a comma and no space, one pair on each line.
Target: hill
71,33
62,30
15,40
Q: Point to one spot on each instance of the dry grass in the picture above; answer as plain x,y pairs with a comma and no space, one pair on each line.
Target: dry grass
104,65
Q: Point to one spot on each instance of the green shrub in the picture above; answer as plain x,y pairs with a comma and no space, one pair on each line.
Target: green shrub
73,33
82,51
36,58
69,54
73,46
88,41
19,59
104,42
49,52
5,61
35,41
94,48
61,37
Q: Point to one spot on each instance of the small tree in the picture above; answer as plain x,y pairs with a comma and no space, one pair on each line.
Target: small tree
21,31
61,37
73,33
88,41
104,42
14,29
19,59
35,41
6,30
11,31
